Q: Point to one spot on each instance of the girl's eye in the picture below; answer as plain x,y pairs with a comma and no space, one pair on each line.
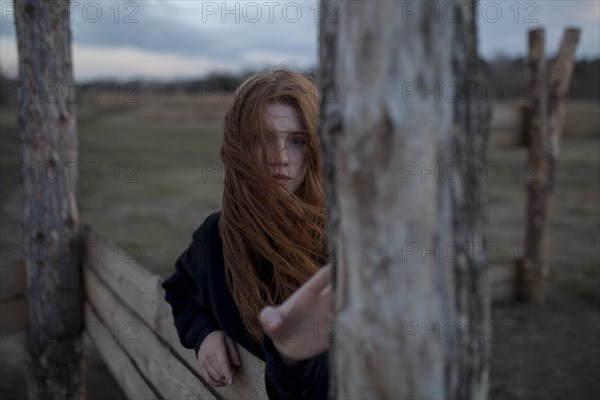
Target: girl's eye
297,141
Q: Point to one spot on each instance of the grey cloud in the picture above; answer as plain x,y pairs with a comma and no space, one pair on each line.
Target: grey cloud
167,27
161,29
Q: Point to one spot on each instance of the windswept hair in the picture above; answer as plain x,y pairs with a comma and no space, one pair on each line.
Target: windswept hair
261,225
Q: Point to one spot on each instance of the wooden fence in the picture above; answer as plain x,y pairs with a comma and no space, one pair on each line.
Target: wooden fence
131,325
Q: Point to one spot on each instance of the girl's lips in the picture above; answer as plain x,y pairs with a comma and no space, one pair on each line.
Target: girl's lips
280,177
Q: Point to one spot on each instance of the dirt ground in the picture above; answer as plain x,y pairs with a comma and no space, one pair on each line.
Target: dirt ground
99,383
554,353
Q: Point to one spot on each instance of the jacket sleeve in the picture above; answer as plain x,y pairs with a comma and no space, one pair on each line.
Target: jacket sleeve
193,320
308,379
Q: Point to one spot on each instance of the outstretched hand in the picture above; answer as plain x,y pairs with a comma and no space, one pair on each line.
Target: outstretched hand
300,327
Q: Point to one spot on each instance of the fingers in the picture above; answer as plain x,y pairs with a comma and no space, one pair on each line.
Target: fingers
326,293
270,316
234,355
319,280
212,376
224,367
216,352
271,319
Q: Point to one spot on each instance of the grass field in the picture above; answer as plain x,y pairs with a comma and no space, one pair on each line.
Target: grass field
150,172
141,172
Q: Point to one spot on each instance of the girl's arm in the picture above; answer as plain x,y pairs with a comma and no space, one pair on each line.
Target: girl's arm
192,320
297,335
300,326
187,293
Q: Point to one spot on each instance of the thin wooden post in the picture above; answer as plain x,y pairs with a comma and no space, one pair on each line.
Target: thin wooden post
545,131
530,267
409,266
562,72
51,219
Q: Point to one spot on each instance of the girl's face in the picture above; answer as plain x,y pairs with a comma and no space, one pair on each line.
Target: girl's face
286,146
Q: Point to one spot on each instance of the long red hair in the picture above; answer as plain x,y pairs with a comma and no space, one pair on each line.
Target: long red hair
260,225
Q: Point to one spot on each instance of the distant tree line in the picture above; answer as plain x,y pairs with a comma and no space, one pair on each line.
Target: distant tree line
586,80
506,82
506,79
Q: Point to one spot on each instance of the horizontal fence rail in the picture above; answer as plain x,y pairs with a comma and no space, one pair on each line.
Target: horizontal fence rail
132,326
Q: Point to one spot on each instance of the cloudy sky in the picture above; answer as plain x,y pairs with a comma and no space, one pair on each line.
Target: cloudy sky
180,39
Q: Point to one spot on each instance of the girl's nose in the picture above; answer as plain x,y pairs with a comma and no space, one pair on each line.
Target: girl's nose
280,156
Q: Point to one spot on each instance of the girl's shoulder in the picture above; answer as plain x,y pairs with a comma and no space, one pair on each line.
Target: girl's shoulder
205,255
208,232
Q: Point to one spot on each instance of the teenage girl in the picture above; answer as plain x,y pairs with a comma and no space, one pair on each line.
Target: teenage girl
253,274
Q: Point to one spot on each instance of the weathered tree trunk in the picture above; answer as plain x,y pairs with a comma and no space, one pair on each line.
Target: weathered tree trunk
404,127
545,131
51,220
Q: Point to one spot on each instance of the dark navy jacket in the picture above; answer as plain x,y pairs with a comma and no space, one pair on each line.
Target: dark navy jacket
202,303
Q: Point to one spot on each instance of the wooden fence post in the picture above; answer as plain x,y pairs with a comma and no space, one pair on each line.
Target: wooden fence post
562,71
400,109
51,219
530,269
545,130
